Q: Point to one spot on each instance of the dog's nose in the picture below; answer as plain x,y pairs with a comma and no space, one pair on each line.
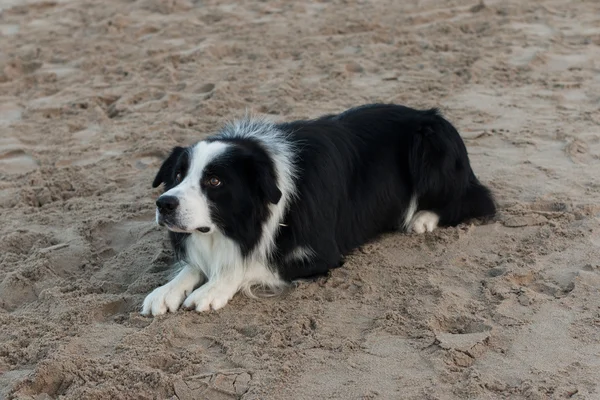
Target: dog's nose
204,229
167,204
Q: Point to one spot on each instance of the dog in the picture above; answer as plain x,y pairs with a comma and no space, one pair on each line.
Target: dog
261,204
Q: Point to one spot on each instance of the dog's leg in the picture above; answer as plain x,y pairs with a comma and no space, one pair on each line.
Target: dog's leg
318,266
170,296
424,221
215,293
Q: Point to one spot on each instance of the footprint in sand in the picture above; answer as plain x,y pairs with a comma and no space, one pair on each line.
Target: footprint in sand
464,337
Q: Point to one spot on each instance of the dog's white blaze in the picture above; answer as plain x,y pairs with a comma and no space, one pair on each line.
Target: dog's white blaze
410,212
194,211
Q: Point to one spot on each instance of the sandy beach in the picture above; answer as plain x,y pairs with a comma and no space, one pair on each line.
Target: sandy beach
94,94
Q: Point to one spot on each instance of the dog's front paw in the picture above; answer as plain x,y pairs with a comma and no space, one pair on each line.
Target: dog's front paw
209,297
424,221
170,296
165,298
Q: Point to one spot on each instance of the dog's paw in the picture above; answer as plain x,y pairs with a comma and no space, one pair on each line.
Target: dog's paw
424,221
165,298
209,297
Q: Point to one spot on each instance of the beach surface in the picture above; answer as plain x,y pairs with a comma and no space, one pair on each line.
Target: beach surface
94,94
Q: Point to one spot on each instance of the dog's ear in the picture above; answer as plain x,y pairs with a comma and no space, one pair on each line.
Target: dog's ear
167,166
268,184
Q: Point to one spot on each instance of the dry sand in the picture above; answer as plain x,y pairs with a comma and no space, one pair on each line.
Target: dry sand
94,93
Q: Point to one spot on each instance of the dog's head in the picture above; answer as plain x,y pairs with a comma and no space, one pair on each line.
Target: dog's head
216,185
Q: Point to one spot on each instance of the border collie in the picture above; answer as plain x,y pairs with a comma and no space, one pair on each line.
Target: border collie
264,204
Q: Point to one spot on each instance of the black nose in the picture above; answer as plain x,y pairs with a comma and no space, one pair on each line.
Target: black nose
167,204
204,229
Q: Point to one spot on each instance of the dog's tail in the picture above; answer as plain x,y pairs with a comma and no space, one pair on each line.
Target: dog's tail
442,175
478,201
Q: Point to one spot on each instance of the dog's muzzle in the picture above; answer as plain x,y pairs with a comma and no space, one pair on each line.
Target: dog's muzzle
167,215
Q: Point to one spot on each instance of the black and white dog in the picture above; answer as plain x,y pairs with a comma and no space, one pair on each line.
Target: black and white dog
266,204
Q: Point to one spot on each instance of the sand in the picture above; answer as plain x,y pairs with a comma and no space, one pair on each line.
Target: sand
93,94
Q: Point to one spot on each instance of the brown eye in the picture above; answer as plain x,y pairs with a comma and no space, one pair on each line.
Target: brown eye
214,182
178,178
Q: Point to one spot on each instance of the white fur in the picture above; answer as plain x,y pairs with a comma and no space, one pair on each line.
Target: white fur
214,255
227,271
170,296
424,221
410,212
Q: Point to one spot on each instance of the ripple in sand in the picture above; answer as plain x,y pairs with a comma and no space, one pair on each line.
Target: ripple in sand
60,71
86,135
14,159
9,29
9,113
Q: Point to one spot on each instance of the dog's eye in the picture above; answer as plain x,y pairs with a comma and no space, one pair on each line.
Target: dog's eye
214,182
178,177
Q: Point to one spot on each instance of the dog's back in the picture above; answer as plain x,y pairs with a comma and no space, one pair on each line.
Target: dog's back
372,169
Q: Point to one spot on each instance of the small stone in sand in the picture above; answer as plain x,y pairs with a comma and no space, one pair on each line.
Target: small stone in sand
353,66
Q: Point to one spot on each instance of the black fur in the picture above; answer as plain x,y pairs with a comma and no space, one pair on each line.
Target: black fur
360,169
170,167
240,207
355,175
